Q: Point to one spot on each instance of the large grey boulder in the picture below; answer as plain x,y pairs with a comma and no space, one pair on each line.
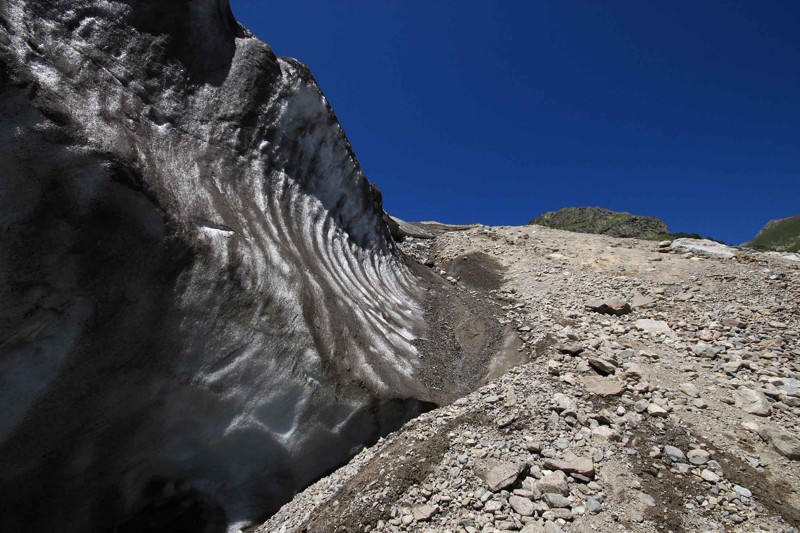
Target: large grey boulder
752,401
703,247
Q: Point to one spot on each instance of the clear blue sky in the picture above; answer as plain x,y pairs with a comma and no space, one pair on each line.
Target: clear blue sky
496,111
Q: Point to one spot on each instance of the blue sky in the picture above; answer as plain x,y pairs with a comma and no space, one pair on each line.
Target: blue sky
496,111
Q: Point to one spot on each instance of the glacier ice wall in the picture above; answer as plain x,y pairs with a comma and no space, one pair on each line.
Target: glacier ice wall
202,306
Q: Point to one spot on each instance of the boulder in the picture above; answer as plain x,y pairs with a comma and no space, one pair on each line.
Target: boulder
602,386
614,306
784,442
521,505
751,401
553,482
640,300
423,513
502,475
648,325
603,366
583,466
704,247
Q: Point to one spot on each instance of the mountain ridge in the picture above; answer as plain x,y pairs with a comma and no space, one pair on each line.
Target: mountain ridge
780,235
601,221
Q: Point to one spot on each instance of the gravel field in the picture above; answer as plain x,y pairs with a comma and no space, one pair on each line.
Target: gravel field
658,391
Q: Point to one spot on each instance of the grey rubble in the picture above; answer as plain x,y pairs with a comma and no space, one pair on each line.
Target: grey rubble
673,450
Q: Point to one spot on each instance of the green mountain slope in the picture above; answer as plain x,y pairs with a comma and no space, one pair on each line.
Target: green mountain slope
781,235
604,222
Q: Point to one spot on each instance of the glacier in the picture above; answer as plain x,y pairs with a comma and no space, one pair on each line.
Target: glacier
203,307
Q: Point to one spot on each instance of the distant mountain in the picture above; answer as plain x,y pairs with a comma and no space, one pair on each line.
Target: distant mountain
604,222
781,235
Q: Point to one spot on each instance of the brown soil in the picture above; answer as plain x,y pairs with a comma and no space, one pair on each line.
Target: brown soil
411,462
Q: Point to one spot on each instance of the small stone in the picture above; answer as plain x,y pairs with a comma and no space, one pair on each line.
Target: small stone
521,505
734,323
507,420
640,300
690,390
674,453
422,513
647,499
701,349
731,367
633,371
533,527
557,500
493,506
751,426
700,403
657,411
604,434
741,491
552,527
751,401
665,244
534,446
709,476
564,404
641,406
561,443
698,456
593,505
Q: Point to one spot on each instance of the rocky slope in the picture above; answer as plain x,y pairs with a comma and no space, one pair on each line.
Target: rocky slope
603,222
781,235
660,393
203,309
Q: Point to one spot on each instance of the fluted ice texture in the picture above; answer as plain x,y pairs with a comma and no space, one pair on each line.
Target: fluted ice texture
202,307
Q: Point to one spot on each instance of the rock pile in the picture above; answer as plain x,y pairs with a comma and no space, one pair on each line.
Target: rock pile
679,415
